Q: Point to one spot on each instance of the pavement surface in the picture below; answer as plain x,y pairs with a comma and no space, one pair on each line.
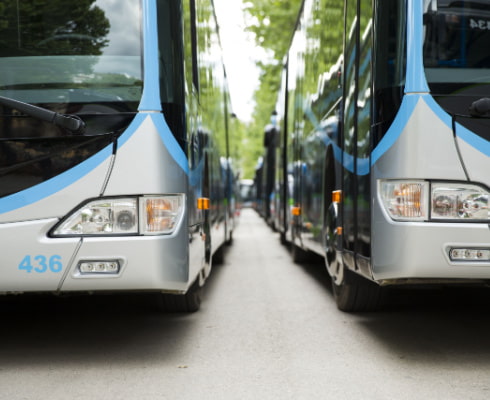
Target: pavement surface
268,329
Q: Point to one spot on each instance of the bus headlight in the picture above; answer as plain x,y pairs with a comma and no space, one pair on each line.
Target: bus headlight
149,215
455,201
439,201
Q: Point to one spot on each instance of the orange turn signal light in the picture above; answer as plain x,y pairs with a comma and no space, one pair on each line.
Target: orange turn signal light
203,203
336,196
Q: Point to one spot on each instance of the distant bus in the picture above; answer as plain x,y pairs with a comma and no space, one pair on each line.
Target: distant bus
384,154
114,125
247,192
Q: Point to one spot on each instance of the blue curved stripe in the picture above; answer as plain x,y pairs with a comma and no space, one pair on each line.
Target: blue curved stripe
462,132
363,166
416,81
406,110
150,98
346,159
132,128
67,178
165,134
416,89
404,113
150,101
348,162
50,187
170,142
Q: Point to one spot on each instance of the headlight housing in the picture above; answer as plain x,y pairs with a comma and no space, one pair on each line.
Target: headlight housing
459,202
405,200
416,200
145,215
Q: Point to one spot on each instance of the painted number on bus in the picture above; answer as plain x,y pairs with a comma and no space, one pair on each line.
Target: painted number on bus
479,24
41,264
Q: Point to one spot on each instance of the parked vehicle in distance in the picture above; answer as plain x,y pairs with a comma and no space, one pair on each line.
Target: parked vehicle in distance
247,192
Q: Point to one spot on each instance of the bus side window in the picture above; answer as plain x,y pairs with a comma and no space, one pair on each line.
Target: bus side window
171,67
195,67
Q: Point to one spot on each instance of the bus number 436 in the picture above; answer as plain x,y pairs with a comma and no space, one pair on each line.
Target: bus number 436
41,264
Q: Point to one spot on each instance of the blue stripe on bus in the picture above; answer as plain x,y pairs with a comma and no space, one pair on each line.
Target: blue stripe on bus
346,159
165,134
406,110
364,164
150,99
170,142
463,133
54,185
404,113
132,128
67,178
416,81
416,89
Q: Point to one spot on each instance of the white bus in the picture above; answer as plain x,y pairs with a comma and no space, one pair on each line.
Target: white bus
114,124
385,144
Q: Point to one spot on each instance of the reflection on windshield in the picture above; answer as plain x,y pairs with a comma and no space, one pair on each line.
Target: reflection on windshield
457,34
59,52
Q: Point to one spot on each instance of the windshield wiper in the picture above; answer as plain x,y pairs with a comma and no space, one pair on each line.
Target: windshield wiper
480,108
69,122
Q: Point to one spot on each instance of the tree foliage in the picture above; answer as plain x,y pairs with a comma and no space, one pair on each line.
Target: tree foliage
272,23
52,27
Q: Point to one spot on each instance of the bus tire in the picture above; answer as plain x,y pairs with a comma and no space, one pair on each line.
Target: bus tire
181,303
299,255
356,294
351,291
229,241
219,256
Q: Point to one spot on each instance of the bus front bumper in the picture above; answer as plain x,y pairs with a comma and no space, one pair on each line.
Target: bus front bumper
431,252
33,262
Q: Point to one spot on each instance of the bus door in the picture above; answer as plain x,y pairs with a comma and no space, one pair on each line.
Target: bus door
356,135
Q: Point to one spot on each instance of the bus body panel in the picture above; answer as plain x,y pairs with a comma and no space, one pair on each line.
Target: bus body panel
408,149
30,260
426,150
147,263
474,158
153,262
395,259
143,165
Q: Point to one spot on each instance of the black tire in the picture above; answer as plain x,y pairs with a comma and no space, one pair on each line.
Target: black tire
299,255
351,291
219,256
282,238
229,242
181,303
356,294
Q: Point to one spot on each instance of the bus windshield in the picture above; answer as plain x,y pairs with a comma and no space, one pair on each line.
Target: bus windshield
72,57
457,34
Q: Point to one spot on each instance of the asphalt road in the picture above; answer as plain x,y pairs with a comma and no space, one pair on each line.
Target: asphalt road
268,329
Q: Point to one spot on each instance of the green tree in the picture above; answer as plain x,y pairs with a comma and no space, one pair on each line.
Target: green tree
273,26
55,27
